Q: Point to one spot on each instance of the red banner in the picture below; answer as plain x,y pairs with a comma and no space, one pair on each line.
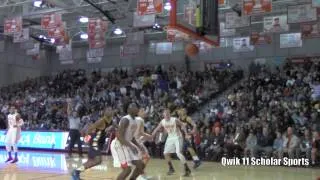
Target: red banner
50,21
310,30
260,38
13,25
97,29
58,32
145,7
251,7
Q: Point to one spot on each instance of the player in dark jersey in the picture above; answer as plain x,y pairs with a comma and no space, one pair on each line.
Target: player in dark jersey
96,135
188,138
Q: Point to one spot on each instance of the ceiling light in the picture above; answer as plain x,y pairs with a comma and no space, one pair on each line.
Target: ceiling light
84,19
167,6
37,3
84,36
117,31
41,36
52,40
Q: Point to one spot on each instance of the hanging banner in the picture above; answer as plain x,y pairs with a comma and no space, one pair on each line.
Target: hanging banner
235,21
57,32
189,14
145,7
315,3
95,55
226,32
251,7
302,13
260,38
129,50
34,51
290,40
310,30
97,40
12,25
275,24
144,21
97,29
65,56
21,36
97,25
242,44
50,21
135,38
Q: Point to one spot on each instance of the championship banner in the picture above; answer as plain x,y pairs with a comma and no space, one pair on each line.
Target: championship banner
135,38
12,25
57,32
226,32
275,24
65,56
95,55
234,21
144,21
35,50
226,42
97,29
251,7
189,14
302,13
145,7
97,25
129,50
290,40
260,38
315,3
310,30
97,40
21,36
50,21
242,44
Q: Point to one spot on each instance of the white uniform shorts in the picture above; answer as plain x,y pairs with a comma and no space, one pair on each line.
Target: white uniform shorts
11,137
123,155
173,145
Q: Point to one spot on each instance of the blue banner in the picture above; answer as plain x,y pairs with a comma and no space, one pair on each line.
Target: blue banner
45,161
40,140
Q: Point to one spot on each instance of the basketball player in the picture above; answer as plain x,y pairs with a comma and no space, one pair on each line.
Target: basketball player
174,140
125,148
96,135
188,137
13,134
140,137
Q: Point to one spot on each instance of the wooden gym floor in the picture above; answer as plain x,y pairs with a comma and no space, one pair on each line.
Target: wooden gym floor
54,166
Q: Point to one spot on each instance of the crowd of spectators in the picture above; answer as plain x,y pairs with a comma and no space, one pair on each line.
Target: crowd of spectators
42,102
271,113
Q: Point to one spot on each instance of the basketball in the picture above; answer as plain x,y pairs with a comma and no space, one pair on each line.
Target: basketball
191,49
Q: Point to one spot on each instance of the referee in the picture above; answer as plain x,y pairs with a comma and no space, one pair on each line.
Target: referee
74,130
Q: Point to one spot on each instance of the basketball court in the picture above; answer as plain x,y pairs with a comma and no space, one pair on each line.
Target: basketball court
52,166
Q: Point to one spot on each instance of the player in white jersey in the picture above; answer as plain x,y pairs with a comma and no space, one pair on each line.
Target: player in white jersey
13,134
125,149
140,137
174,140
